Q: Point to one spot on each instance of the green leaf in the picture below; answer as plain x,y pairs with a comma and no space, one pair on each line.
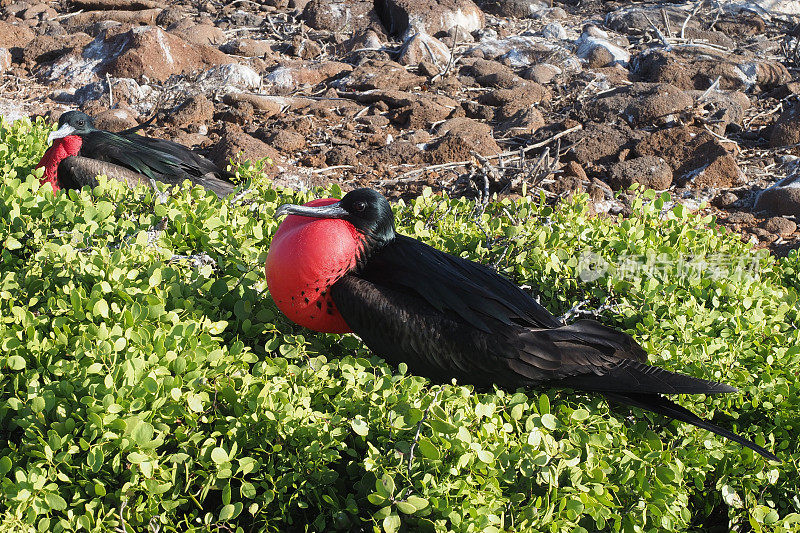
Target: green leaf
15,362
100,308
195,403
143,433
5,465
549,421
418,503
360,427
441,426
385,485
428,449
406,508
219,456
226,513
579,415
486,456
55,501
95,459
376,499
391,523
248,490
731,497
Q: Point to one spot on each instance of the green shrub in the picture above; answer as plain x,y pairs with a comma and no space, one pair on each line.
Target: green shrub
149,382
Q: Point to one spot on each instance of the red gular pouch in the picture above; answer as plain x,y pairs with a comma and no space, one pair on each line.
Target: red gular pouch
60,149
307,256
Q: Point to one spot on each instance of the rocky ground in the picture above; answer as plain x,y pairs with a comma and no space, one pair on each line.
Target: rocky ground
700,99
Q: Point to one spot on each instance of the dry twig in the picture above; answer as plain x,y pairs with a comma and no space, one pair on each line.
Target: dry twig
513,153
689,16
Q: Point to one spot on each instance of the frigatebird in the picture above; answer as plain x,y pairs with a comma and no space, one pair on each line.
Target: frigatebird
346,269
79,152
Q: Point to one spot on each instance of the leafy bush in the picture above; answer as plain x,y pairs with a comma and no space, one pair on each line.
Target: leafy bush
149,382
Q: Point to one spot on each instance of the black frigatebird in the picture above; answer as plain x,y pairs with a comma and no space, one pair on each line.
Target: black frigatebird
346,269
79,152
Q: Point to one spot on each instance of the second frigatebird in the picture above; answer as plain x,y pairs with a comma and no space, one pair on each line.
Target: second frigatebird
447,317
80,151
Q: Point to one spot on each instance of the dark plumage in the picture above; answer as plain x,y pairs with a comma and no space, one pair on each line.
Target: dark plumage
446,317
154,159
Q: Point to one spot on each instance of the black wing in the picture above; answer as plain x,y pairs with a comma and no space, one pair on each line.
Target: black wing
157,159
401,326
447,318
471,290
76,171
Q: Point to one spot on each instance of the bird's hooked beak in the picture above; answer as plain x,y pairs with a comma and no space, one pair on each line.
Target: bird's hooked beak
60,133
321,211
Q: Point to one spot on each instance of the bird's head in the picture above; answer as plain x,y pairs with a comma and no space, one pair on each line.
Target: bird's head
66,141
366,209
72,123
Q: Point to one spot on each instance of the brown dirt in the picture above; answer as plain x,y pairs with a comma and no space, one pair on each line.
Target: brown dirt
331,91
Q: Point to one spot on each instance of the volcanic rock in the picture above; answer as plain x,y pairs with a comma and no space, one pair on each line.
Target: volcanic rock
518,120
194,110
692,68
116,119
137,53
598,144
5,60
514,8
723,108
542,73
650,171
342,155
291,75
145,17
786,130
342,16
228,77
248,48
171,15
595,46
779,225
523,51
640,104
554,32
783,198
637,19
378,74
47,48
305,48
265,105
459,138
695,156
403,18
236,144
156,54
286,141
14,36
422,47
199,33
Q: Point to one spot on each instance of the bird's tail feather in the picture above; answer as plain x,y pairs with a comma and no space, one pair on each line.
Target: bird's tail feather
218,186
633,377
660,405
620,363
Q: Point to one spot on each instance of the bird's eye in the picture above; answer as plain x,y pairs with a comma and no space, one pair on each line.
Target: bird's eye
359,206
81,123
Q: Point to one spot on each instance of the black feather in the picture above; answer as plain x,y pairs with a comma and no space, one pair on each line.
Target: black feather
446,317
663,406
157,159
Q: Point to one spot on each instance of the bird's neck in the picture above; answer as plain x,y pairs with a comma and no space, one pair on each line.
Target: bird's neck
60,150
372,244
